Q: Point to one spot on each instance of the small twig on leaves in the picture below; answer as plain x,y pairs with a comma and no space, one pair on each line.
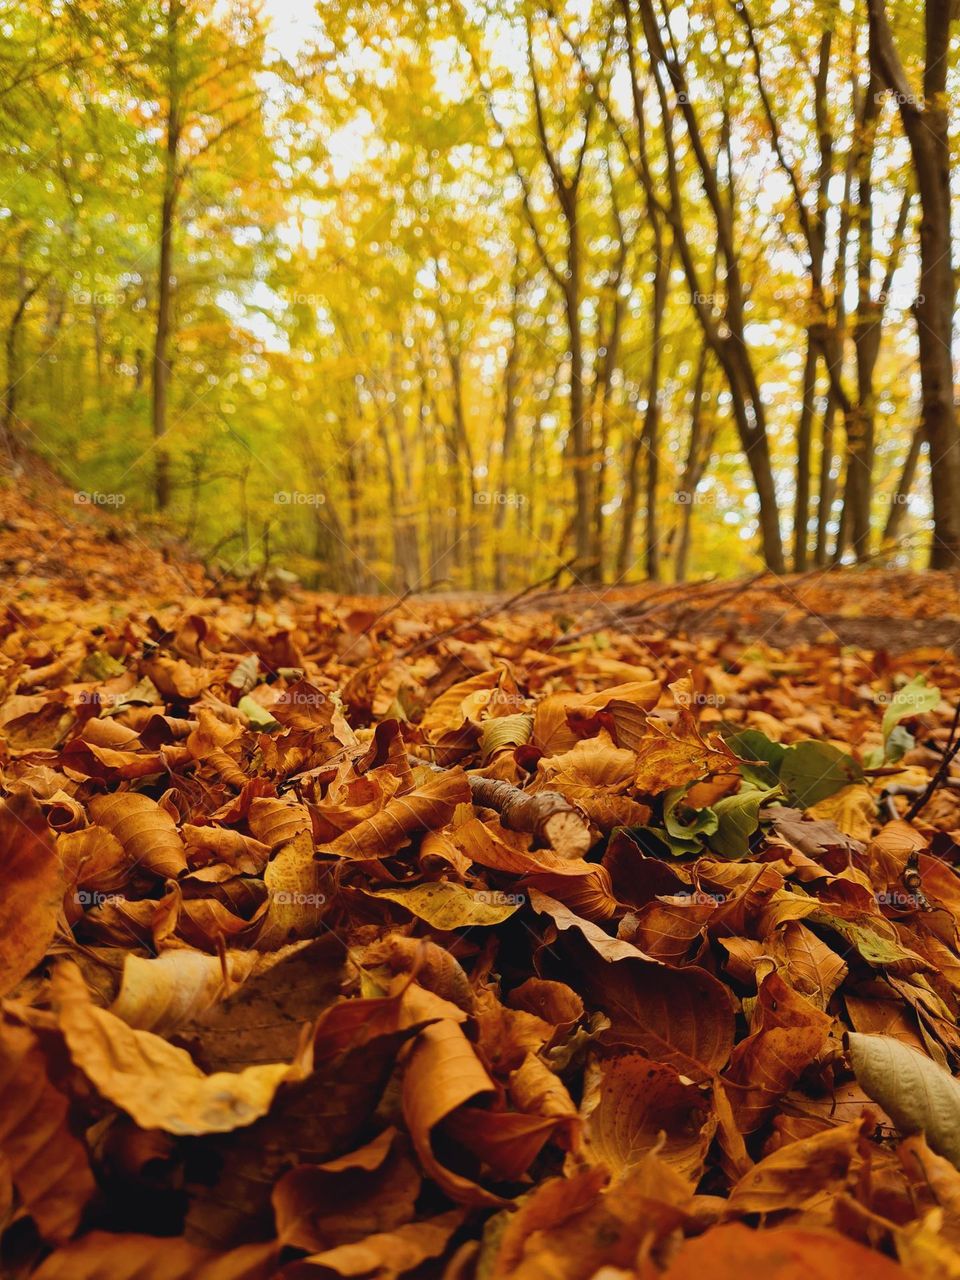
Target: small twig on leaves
546,815
943,769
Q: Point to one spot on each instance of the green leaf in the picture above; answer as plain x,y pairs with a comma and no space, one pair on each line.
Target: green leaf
738,818
101,666
914,699
682,822
446,905
259,717
751,744
901,741
811,771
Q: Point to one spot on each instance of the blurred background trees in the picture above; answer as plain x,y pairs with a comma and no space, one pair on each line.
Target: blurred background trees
456,292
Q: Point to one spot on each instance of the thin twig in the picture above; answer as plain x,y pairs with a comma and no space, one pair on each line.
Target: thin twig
940,777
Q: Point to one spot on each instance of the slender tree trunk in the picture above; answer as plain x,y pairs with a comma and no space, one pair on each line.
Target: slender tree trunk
801,509
511,385
171,180
692,471
12,365
827,485
580,453
926,124
651,426
899,501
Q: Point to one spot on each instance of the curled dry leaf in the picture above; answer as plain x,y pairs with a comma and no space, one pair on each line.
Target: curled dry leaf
442,1072
385,1254
339,1202
156,1083
634,1106
177,987
31,888
145,830
430,805
47,1166
801,1171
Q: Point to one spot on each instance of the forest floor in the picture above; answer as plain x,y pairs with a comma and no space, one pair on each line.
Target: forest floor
587,931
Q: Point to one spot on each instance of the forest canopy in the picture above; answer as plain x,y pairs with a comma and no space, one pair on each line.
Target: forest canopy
458,292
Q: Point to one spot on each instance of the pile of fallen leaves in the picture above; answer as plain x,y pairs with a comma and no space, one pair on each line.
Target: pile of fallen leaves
346,940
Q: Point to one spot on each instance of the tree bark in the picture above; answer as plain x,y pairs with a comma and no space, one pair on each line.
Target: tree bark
801,506
926,125
171,184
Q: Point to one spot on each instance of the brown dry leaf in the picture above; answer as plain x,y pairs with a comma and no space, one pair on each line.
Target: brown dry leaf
853,809
99,1255
446,905
298,888
177,987
46,1165
384,1255
789,1033
441,1073
800,1172
338,1202
31,888
811,968
681,1017
431,805
671,759
156,1083
145,830
633,1106
561,719
731,1251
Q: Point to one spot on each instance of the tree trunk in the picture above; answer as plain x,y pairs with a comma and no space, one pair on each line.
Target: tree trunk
899,501
801,507
171,180
587,568
12,367
692,471
926,124
511,381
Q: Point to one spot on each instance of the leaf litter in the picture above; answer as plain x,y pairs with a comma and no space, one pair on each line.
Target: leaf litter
338,940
